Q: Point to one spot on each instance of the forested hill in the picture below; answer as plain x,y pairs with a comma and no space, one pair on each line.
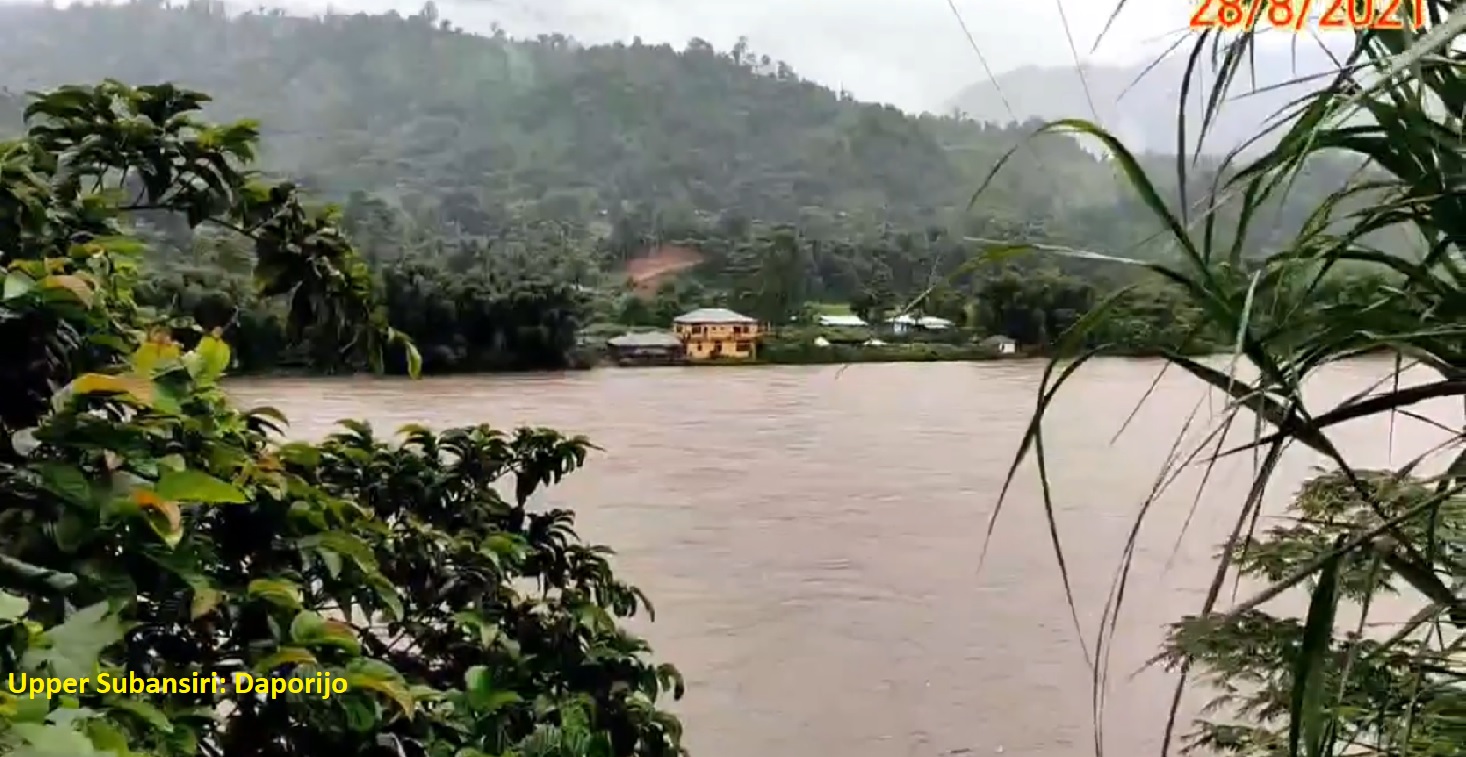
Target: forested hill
504,190
404,105
476,134
469,131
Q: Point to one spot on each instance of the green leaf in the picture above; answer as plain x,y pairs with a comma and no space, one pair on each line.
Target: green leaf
197,486
205,599
153,353
29,710
77,643
504,545
48,740
69,716
298,453
135,388
309,629
332,560
378,676
142,709
211,361
285,656
360,712
1308,719
388,594
17,284
266,411
275,591
66,481
107,737
345,544
72,284
481,692
73,530
163,515
414,361
12,607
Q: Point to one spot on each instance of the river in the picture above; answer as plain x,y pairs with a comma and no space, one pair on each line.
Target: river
811,536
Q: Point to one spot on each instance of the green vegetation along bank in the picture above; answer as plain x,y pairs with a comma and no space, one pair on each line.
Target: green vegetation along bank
475,313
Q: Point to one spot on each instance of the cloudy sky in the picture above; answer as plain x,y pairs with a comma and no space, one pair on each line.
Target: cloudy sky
911,53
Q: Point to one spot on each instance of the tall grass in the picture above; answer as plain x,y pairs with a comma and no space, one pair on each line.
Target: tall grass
1398,100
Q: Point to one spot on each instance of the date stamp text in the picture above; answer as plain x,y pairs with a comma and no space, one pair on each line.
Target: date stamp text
1306,15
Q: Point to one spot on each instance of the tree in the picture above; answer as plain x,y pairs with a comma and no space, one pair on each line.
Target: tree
152,529
773,289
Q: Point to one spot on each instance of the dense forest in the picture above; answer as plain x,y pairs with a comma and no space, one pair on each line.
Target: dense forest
500,187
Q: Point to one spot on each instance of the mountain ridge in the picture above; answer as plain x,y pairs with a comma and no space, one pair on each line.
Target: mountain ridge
471,134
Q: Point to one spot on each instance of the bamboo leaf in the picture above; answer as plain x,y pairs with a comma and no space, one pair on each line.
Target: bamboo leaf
1308,718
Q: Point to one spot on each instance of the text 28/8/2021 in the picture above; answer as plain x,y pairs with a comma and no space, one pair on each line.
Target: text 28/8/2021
1298,15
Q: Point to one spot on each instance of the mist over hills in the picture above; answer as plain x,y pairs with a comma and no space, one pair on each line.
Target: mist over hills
1139,102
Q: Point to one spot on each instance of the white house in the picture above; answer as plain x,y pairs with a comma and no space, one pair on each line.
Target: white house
904,323
841,321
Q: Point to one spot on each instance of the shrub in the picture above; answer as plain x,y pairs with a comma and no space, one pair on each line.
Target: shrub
152,529
1401,696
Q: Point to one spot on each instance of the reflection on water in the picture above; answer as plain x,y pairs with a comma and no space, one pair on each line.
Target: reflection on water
811,536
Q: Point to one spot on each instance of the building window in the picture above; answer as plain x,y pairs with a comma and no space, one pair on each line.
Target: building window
744,345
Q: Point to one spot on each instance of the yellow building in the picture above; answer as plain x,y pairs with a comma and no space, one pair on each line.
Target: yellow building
713,333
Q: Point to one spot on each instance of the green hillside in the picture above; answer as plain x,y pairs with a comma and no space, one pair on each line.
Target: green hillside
492,172
482,126
475,133
473,130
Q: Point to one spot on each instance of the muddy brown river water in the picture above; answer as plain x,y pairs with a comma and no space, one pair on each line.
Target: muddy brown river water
811,536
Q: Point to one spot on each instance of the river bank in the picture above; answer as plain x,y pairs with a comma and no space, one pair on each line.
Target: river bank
835,354
774,352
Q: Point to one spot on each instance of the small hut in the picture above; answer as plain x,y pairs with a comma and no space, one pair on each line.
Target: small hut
647,348
999,344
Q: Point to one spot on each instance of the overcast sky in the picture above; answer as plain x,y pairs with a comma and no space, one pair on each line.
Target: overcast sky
911,53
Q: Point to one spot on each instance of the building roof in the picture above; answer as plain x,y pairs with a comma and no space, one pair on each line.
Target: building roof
928,321
713,315
841,320
646,339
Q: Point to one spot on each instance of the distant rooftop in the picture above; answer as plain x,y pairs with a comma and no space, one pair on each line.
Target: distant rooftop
713,315
646,339
927,321
841,320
